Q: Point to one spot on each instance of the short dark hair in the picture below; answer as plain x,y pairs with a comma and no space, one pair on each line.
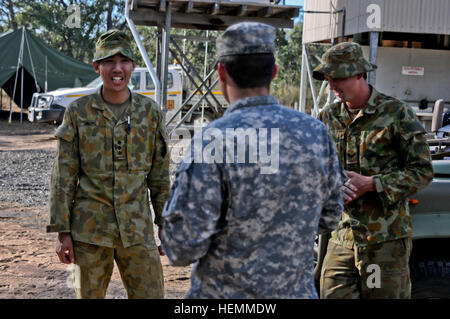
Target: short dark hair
250,70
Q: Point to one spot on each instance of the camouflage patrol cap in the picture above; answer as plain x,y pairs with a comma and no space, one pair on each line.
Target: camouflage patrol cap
112,42
342,61
246,38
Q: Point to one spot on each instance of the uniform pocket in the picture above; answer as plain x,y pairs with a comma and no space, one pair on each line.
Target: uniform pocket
92,145
375,150
140,146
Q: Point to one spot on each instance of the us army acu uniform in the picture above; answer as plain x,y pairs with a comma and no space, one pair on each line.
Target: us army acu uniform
99,188
384,140
250,231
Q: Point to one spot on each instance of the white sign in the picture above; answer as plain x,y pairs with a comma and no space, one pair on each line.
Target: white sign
413,70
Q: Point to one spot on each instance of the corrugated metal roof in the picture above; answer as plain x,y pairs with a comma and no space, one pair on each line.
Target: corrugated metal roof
410,16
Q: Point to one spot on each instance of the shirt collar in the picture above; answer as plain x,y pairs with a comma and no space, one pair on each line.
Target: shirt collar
100,104
371,103
252,101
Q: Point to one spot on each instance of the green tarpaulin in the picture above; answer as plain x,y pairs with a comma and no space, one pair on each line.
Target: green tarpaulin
41,63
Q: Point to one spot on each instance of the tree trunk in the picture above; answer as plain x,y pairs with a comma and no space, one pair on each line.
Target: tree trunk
12,15
109,24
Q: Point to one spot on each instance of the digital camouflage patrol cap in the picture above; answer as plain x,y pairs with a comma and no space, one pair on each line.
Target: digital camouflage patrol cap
112,42
342,61
246,38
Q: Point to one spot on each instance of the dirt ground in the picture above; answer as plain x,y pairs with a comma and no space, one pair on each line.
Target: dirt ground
29,267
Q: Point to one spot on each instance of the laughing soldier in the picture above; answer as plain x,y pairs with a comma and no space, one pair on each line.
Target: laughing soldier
111,150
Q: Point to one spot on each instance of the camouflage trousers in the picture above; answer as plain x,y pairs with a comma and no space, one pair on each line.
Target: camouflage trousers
379,271
139,266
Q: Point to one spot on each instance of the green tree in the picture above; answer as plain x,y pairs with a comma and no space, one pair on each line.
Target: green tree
288,57
48,19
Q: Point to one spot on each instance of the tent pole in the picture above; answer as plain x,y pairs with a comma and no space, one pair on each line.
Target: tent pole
21,96
45,74
19,63
32,65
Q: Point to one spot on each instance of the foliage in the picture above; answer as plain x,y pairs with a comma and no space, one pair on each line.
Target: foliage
288,56
47,19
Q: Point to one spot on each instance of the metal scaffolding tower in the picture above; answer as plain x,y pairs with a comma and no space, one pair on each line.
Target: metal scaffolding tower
200,15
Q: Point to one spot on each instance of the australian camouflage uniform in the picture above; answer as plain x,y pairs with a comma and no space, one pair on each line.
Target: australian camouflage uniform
103,170
386,141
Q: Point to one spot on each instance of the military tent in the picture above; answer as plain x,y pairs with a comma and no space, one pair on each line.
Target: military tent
24,58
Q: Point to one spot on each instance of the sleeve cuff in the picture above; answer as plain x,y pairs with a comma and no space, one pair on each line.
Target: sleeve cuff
56,229
378,185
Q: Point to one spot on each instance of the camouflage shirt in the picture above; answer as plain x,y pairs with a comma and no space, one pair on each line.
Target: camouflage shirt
103,170
251,231
385,140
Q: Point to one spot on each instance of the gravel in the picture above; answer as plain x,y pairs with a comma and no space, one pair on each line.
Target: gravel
25,176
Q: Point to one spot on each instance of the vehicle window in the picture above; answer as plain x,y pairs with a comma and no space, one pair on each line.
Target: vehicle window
149,85
135,81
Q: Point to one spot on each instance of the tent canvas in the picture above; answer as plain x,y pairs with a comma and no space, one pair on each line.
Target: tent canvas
43,66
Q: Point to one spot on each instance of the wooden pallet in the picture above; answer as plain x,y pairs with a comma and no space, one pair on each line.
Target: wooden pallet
211,15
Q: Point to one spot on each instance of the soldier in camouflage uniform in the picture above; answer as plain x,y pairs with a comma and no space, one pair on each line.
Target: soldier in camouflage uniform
250,231
383,149
111,150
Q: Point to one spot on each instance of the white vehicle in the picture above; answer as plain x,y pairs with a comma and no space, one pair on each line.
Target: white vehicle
50,106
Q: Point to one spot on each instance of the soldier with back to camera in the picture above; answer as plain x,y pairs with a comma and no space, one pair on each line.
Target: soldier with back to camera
249,226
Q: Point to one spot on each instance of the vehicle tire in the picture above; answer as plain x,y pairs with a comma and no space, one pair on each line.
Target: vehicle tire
430,279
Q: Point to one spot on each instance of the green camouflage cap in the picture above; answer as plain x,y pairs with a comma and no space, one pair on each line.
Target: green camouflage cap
246,38
112,42
342,61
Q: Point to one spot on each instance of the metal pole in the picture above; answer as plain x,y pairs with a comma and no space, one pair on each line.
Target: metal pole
19,63
204,74
372,76
315,111
21,95
343,23
191,110
302,98
184,44
143,53
165,56
194,72
46,84
32,65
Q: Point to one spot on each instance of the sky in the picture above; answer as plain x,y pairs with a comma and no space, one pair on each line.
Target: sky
294,3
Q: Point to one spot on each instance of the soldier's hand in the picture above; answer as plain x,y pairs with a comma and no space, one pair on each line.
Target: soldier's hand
160,250
348,192
64,248
362,184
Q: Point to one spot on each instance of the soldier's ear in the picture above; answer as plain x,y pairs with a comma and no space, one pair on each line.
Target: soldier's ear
275,71
222,72
362,75
95,65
